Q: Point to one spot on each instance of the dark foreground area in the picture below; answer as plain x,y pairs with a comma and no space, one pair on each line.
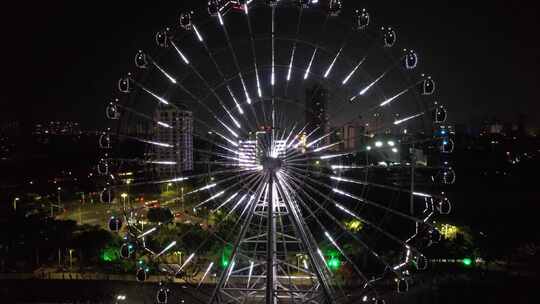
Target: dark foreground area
477,288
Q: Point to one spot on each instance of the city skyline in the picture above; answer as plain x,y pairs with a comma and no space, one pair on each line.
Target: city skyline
272,151
474,47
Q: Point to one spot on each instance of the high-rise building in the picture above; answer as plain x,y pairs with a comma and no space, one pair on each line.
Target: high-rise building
251,150
172,161
353,135
316,103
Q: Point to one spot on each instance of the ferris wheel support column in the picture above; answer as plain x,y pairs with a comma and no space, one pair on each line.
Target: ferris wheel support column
215,294
271,244
301,232
413,164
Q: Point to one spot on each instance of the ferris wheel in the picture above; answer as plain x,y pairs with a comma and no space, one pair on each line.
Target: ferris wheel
302,150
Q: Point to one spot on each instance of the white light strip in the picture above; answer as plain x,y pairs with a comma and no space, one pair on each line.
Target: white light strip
421,194
353,71
240,110
178,179
164,73
334,167
203,188
163,124
186,262
226,201
230,271
397,122
228,128
332,64
236,123
318,139
273,78
322,257
206,273
239,202
346,210
227,139
364,91
248,99
327,147
197,33
162,162
389,100
250,272
259,91
160,144
220,19
147,232
159,98
171,245
334,155
184,58
306,75
210,199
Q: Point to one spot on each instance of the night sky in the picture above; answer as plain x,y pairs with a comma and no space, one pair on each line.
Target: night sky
61,59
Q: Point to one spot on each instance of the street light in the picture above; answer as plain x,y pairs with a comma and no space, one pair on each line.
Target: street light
15,203
168,186
124,196
182,197
59,189
71,258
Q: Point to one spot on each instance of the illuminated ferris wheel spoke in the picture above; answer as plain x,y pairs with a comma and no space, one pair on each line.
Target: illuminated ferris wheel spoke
286,188
273,75
293,50
297,181
162,70
151,93
235,60
400,121
308,69
344,82
369,86
357,198
365,183
370,49
253,52
331,66
341,48
362,219
364,91
228,140
142,115
218,69
241,181
221,102
206,272
211,89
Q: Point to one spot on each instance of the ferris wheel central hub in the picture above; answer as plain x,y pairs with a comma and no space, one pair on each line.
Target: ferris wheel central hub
271,164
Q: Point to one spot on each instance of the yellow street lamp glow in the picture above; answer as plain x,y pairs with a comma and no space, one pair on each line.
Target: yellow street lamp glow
123,195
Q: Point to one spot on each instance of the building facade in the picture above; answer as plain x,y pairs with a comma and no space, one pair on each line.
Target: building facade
316,105
172,161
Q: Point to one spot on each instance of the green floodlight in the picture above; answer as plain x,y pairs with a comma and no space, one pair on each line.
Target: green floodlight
334,263
467,261
226,256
